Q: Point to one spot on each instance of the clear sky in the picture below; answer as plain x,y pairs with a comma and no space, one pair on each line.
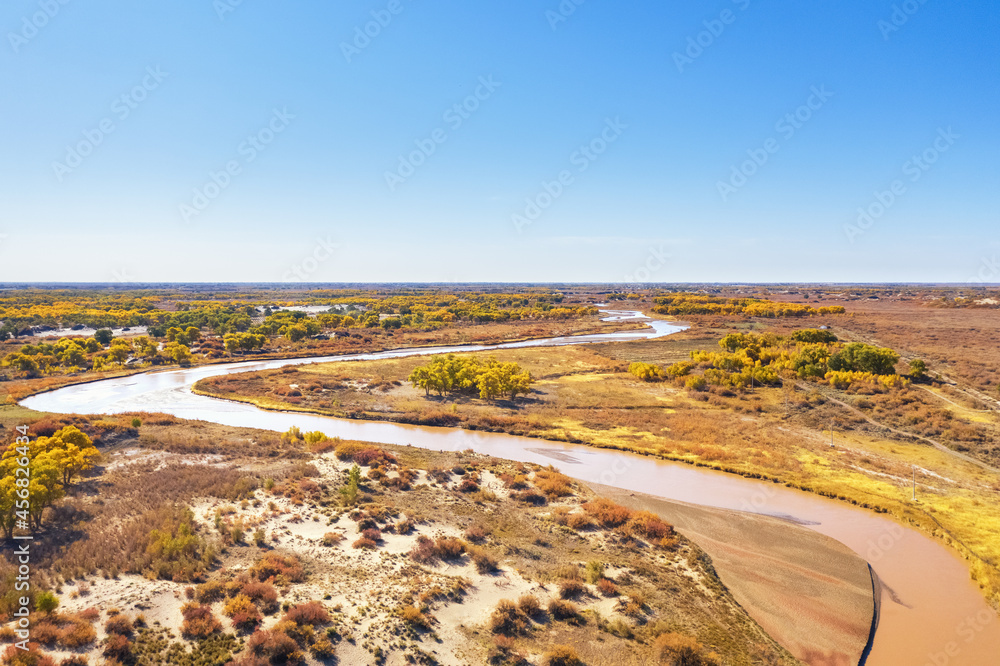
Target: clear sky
522,141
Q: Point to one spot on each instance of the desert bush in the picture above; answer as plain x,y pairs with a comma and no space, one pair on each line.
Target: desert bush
119,624
365,543
530,496
323,649
262,594
283,568
579,521
77,634
412,616
476,533
117,647
485,563
529,605
553,484
571,589
595,571
508,620
45,632
674,649
199,621
563,610
310,613
607,587
449,548
561,655
240,604
607,513
273,645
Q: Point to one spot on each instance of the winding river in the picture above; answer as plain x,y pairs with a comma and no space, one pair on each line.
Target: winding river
932,614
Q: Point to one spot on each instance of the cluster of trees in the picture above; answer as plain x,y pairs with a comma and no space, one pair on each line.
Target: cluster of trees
49,464
244,342
750,359
690,304
453,374
76,354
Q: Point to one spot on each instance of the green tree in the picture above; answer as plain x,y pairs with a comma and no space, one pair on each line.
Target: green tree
103,336
918,369
46,602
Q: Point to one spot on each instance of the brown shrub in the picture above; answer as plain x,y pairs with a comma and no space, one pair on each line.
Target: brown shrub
77,634
366,543
119,624
280,567
674,649
561,655
607,587
262,594
412,616
563,610
117,647
476,533
529,605
571,589
312,613
508,620
199,621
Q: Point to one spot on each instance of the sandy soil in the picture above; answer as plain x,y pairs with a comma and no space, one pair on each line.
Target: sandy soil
809,592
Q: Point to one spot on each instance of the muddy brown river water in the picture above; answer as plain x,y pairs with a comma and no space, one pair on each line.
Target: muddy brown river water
932,614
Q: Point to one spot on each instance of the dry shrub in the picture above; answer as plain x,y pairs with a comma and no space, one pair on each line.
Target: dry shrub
476,533
243,612
45,632
649,525
412,616
119,624
311,613
561,655
674,649
607,513
89,614
449,548
530,496
77,634
424,552
332,538
529,605
372,533
365,543
363,454
508,620
571,589
199,621
262,594
607,588
275,646
468,486
283,568
553,483
117,647
323,649
563,610
579,521
75,660
485,563
15,656
210,591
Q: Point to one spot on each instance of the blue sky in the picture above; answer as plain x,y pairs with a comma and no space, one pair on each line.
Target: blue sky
665,142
